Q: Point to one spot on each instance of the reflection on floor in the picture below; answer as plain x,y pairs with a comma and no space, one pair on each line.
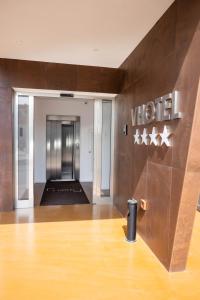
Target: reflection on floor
80,252
39,188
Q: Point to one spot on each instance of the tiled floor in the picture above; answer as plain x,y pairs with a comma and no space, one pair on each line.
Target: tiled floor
79,252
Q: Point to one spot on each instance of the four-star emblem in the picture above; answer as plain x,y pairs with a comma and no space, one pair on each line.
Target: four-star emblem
143,138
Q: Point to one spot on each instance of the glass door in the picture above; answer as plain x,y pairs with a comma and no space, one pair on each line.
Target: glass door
23,143
106,148
103,150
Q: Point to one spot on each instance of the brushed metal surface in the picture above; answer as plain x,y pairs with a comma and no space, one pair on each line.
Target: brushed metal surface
53,146
77,149
62,148
67,151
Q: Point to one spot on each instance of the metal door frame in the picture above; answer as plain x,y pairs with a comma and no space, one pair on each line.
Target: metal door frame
78,95
98,150
29,202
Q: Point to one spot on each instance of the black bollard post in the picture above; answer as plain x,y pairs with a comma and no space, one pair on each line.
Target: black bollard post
131,220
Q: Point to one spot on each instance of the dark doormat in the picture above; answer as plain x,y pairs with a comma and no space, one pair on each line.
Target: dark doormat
63,193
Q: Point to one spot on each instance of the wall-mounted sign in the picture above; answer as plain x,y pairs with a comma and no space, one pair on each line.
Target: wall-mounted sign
161,109
153,137
165,108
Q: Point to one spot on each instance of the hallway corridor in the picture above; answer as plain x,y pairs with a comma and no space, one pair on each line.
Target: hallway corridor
79,252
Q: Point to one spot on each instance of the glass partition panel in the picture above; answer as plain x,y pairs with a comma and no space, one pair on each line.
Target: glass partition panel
23,151
106,148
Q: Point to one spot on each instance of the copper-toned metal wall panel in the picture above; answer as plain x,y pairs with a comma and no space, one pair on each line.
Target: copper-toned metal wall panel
167,59
54,76
41,75
6,159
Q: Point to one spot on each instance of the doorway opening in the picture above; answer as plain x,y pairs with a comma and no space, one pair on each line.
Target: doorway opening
63,162
69,141
62,148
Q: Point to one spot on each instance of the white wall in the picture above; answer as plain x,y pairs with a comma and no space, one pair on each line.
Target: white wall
55,106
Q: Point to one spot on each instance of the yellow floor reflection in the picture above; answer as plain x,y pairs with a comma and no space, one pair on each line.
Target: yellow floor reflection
83,255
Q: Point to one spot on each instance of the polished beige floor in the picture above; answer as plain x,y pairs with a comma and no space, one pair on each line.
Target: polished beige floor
79,252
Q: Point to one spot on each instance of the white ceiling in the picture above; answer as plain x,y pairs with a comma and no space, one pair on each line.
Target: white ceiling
87,32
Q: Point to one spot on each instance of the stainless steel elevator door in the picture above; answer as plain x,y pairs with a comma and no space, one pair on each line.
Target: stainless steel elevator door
67,151
63,148
54,150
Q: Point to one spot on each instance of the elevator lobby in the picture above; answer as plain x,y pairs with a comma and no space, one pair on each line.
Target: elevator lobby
99,149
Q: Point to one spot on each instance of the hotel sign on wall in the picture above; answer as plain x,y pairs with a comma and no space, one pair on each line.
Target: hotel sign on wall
162,109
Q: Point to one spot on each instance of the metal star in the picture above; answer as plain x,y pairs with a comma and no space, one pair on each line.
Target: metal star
154,136
165,136
137,137
144,136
